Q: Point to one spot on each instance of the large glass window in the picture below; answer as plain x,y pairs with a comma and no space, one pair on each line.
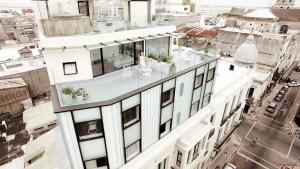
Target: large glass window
96,60
196,151
116,57
158,46
96,163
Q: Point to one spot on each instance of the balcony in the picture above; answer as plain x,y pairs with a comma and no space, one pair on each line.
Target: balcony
66,25
131,79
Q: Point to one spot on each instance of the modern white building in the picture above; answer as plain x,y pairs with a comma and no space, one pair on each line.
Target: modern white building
130,99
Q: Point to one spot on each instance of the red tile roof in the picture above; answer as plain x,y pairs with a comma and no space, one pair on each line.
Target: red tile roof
198,32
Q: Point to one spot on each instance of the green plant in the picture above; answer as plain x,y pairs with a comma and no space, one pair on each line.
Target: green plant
68,90
181,42
109,24
153,17
160,58
168,58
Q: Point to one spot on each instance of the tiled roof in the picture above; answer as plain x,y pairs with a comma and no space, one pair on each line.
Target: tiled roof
240,11
198,32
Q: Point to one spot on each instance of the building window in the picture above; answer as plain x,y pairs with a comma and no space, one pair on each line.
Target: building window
165,128
210,74
83,7
251,91
99,162
211,133
162,165
196,151
89,129
198,81
131,116
167,97
206,100
132,150
212,118
70,68
179,158
195,107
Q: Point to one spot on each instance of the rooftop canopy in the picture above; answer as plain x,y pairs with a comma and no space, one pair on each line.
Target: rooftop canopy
261,13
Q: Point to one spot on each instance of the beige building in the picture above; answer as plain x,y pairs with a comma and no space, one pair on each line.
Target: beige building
14,96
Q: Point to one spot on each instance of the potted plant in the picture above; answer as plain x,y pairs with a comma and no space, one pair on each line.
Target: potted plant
79,95
67,93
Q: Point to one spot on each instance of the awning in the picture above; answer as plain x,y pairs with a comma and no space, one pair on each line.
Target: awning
97,46
111,44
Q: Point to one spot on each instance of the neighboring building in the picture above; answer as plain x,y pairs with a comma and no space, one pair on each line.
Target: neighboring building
92,16
32,70
174,6
39,119
212,11
17,27
276,36
199,38
25,53
130,99
46,151
14,97
284,4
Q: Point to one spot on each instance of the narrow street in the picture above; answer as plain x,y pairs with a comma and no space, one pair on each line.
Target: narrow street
275,145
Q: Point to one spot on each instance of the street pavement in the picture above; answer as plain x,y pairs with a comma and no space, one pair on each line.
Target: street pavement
266,142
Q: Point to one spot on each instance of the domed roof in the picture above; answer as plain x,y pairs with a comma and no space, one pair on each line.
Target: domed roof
247,53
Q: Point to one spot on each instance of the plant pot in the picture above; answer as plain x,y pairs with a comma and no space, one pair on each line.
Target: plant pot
67,99
79,98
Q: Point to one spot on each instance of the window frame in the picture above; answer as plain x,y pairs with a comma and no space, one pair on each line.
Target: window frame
200,85
178,158
171,96
133,121
91,137
70,63
213,74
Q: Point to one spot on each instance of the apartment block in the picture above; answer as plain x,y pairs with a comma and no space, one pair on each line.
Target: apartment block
130,99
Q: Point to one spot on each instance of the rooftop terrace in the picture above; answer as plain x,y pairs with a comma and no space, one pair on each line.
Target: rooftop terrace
129,80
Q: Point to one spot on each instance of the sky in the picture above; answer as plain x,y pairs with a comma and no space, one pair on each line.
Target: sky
244,3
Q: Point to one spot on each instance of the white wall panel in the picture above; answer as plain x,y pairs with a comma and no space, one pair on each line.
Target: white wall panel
197,94
168,85
132,134
182,103
130,102
111,116
166,113
93,149
150,116
86,114
200,70
69,136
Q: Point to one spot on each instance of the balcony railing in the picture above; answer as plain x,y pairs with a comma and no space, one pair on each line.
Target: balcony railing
132,78
66,25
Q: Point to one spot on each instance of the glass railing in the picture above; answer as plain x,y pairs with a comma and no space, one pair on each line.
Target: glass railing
129,78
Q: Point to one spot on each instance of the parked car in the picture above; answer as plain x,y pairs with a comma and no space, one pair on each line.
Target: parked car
271,107
293,84
285,88
279,97
229,166
281,92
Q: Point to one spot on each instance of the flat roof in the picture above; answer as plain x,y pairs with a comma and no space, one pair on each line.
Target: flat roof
21,65
39,115
12,83
225,77
55,154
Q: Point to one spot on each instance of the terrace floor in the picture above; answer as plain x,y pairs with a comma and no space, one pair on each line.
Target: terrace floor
120,82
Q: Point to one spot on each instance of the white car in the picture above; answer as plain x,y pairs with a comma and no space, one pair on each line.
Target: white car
229,166
293,84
